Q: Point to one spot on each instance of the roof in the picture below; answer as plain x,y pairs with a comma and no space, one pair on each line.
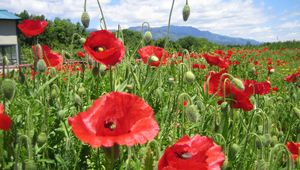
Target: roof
4,14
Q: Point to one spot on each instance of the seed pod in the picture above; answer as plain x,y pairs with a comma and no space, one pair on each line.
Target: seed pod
192,113
52,72
8,88
85,19
235,149
148,36
5,61
42,138
82,40
297,112
238,83
81,90
189,76
30,164
41,66
77,99
186,12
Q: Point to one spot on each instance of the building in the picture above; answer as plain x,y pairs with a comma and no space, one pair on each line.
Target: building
9,37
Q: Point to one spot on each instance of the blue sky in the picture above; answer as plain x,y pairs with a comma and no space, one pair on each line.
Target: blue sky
263,20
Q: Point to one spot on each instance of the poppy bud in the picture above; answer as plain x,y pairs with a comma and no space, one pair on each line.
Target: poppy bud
82,40
148,36
52,72
153,59
262,165
148,159
238,83
8,88
67,55
30,164
5,61
54,91
81,90
186,12
61,114
42,138
129,87
77,99
41,66
171,80
201,106
297,112
274,140
189,76
192,113
235,148
224,105
259,142
267,140
85,19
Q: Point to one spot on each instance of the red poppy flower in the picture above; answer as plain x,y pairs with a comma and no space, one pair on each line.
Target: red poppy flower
115,118
52,59
198,66
104,47
80,54
292,78
5,121
32,27
198,152
254,87
294,149
216,61
237,98
149,51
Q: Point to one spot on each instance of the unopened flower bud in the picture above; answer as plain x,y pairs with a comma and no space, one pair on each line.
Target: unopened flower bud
41,66
85,19
42,138
186,12
81,91
8,87
235,148
77,99
297,112
52,72
238,83
5,60
192,113
82,40
30,165
189,76
148,36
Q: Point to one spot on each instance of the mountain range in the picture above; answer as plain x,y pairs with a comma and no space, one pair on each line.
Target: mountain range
177,32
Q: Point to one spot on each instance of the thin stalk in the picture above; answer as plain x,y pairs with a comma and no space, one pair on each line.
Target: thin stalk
169,24
103,18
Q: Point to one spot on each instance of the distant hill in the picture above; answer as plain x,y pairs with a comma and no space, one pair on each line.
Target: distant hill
177,32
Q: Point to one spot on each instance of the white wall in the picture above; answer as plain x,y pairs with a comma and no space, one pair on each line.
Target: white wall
8,32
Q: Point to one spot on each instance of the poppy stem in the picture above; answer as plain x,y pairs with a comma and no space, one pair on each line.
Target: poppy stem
169,24
103,18
111,78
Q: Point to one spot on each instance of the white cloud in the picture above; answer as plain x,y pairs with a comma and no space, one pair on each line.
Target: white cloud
242,18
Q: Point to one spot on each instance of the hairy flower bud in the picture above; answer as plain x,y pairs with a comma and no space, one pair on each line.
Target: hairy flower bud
186,12
297,112
42,138
238,83
189,76
85,19
82,40
30,164
8,87
41,66
192,113
77,99
148,36
5,60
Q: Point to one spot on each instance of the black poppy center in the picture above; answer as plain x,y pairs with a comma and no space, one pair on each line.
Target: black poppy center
99,49
110,125
185,155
